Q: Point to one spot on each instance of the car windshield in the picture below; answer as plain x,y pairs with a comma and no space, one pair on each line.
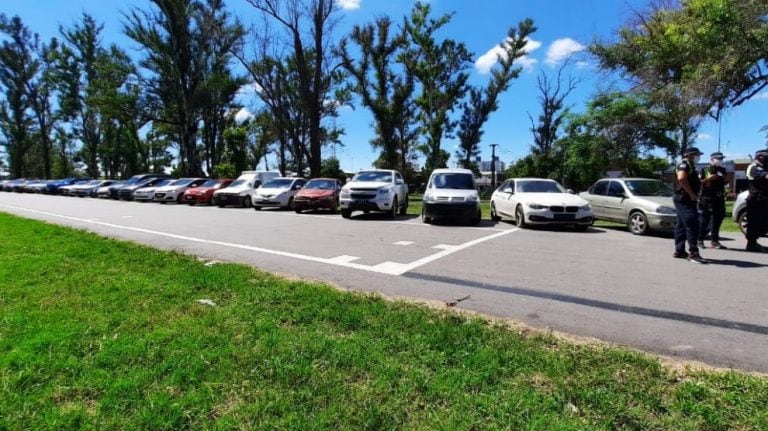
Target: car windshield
238,182
537,186
453,181
278,184
321,185
649,188
373,176
93,182
181,182
134,179
209,183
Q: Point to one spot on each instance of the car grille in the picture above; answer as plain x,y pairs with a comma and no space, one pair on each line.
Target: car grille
561,209
358,195
159,195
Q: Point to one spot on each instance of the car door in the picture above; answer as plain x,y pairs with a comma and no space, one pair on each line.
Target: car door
504,194
615,198
596,198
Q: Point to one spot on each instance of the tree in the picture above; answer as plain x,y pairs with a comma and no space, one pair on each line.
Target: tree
440,70
17,67
313,60
484,101
385,92
40,92
332,169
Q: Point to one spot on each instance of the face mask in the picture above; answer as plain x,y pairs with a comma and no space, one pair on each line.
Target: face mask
696,159
717,162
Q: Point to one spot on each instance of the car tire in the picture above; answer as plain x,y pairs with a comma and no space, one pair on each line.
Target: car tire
494,215
221,205
256,208
346,213
424,218
474,221
581,227
290,204
334,207
191,203
520,217
637,223
247,202
393,211
404,207
297,210
741,220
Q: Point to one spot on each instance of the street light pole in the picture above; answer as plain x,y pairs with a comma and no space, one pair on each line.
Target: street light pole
493,166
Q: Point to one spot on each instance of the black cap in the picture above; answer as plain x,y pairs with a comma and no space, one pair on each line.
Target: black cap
763,153
692,151
717,155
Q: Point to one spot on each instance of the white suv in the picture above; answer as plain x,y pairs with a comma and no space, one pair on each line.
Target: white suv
375,190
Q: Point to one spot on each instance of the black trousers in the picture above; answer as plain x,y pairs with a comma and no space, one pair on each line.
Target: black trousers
757,218
687,227
711,215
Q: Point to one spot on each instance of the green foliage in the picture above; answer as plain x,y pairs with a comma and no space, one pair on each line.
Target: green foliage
332,169
225,170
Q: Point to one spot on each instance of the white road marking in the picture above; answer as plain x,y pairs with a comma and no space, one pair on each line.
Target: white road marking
343,259
443,246
126,216
390,268
403,243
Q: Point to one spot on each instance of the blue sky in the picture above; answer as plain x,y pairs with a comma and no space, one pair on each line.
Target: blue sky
563,27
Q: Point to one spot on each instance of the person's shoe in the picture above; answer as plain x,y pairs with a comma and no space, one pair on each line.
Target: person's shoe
695,258
755,247
717,245
700,244
678,255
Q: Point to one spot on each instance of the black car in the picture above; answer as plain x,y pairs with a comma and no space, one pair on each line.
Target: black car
126,192
114,191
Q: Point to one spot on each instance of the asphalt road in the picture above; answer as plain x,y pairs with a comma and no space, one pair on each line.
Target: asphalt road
601,283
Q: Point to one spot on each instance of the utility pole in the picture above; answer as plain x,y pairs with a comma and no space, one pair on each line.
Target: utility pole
493,166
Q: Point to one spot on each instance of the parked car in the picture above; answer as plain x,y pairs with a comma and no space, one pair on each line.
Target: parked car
277,193
126,192
739,213
241,190
53,187
644,205
89,188
174,192
537,201
375,190
147,193
318,193
115,189
34,186
105,191
69,189
204,193
451,194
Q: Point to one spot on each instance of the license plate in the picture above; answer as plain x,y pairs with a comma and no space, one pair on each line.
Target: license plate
565,217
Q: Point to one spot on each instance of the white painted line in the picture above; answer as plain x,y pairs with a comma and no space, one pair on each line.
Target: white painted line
390,268
443,246
403,243
343,259
126,216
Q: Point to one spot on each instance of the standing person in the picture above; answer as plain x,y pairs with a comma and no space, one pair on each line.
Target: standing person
686,198
757,201
712,200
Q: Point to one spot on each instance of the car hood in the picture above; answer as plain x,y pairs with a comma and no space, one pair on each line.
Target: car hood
233,190
367,185
551,198
200,190
315,193
263,191
452,193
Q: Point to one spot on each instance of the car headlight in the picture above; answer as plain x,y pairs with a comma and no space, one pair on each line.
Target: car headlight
665,210
585,207
472,198
429,197
538,206
344,194
384,191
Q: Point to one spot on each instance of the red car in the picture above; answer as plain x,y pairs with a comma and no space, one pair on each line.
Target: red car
204,193
318,193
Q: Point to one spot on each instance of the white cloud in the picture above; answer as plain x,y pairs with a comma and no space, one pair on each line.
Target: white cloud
242,115
704,137
249,89
561,49
349,4
761,96
485,63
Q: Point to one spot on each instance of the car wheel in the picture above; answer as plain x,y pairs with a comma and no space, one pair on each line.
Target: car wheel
256,208
290,203
404,208
191,203
297,210
637,223
246,202
346,213
179,199
520,217
221,205
742,221
162,202
393,211
494,215
424,218
334,207
476,219
581,227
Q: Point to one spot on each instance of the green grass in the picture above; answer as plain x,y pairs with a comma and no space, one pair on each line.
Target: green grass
102,334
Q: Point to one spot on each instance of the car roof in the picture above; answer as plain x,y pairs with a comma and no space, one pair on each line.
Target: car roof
324,179
452,171
629,179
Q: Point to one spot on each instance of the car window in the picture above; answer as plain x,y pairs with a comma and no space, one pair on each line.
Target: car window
649,188
539,186
278,184
615,188
210,183
599,188
452,181
373,176
321,185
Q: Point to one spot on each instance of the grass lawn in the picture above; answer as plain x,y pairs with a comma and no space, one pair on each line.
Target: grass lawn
103,334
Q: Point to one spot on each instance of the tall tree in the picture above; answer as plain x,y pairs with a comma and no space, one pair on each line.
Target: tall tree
440,68
18,66
552,95
482,102
308,25
387,93
41,91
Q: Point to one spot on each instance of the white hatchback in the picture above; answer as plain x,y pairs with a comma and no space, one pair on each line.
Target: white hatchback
278,192
537,201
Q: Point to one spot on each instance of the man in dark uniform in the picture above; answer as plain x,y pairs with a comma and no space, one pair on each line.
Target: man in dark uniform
686,199
712,200
757,201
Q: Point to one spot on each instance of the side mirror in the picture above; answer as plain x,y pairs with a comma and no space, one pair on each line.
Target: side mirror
621,195
571,192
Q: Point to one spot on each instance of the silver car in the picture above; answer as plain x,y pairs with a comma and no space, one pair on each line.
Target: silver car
643,204
740,212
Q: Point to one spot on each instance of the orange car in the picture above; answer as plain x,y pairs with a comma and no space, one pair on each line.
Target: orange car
204,193
318,193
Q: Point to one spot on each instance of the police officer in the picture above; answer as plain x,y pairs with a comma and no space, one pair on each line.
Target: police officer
712,200
686,199
757,201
